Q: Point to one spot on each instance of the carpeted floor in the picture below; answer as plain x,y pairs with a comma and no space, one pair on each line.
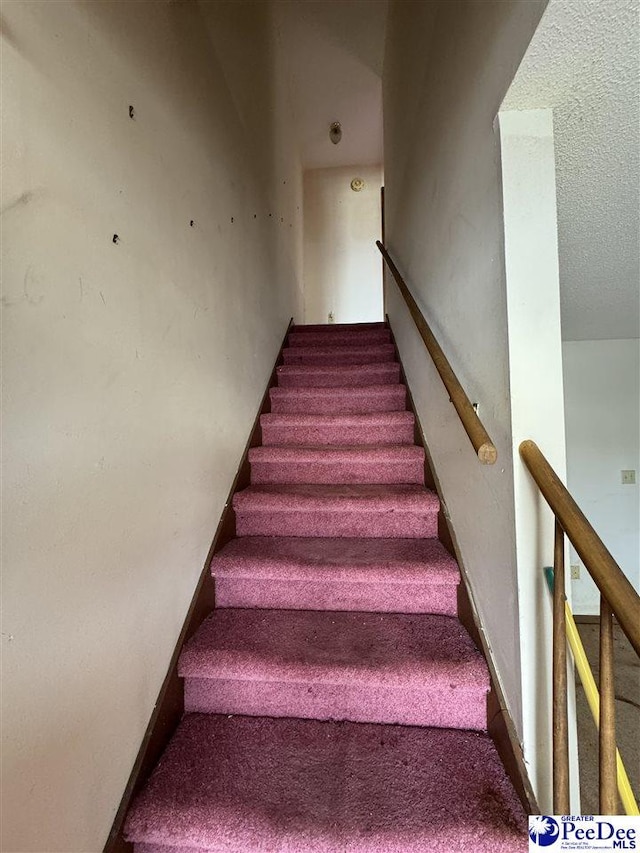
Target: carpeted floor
333,700
627,716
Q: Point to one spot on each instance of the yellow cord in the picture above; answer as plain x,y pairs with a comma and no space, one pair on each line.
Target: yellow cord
593,698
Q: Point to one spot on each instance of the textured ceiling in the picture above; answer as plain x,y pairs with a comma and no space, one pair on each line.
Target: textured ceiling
335,51
584,63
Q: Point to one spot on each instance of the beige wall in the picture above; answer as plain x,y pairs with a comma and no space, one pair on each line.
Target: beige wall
447,68
132,371
602,411
342,265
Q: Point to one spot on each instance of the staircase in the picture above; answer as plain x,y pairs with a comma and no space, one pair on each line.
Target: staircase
333,700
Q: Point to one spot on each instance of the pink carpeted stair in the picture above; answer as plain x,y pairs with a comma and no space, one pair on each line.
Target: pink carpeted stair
338,375
348,464
347,400
249,784
336,356
367,667
333,701
337,429
370,575
372,510
338,336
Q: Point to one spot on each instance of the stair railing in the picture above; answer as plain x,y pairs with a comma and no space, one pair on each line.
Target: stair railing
592,695
473,426
617,599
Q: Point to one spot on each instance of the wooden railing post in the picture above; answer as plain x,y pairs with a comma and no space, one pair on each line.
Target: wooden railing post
607,745
560,714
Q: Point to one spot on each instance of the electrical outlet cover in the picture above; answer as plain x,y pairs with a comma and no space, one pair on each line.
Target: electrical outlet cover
628,478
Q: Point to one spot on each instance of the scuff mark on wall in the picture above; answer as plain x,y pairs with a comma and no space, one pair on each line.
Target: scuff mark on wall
25,198
29,282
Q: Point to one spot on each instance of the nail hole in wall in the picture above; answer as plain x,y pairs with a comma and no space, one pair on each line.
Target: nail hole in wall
132,112
116,239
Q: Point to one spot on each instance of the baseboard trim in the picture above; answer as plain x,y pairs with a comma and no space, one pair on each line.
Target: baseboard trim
169,706
500,726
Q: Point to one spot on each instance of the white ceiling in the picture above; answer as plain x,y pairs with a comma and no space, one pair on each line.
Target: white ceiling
584,63
335,51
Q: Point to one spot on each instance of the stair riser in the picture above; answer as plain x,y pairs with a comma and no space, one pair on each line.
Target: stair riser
352,473
298,377
267,593
339,403
396,703
323,339
333,436
338,328
338,358
407,525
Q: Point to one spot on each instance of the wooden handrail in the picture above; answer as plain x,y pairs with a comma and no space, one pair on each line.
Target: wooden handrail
482,444
607,574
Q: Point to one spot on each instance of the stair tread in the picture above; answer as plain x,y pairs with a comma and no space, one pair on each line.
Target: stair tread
394,390
382,388
320,338
367,453
255,783
337,430
368,419
339,399
353,498
333,559
315,375
340,349
431,652
381,352
386,367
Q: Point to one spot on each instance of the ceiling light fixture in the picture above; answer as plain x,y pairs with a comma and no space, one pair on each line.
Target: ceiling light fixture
335,132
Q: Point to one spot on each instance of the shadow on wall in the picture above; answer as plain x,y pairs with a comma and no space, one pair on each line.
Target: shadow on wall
342,23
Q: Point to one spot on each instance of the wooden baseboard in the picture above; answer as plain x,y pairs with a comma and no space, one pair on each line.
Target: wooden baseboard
169,706
500,726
